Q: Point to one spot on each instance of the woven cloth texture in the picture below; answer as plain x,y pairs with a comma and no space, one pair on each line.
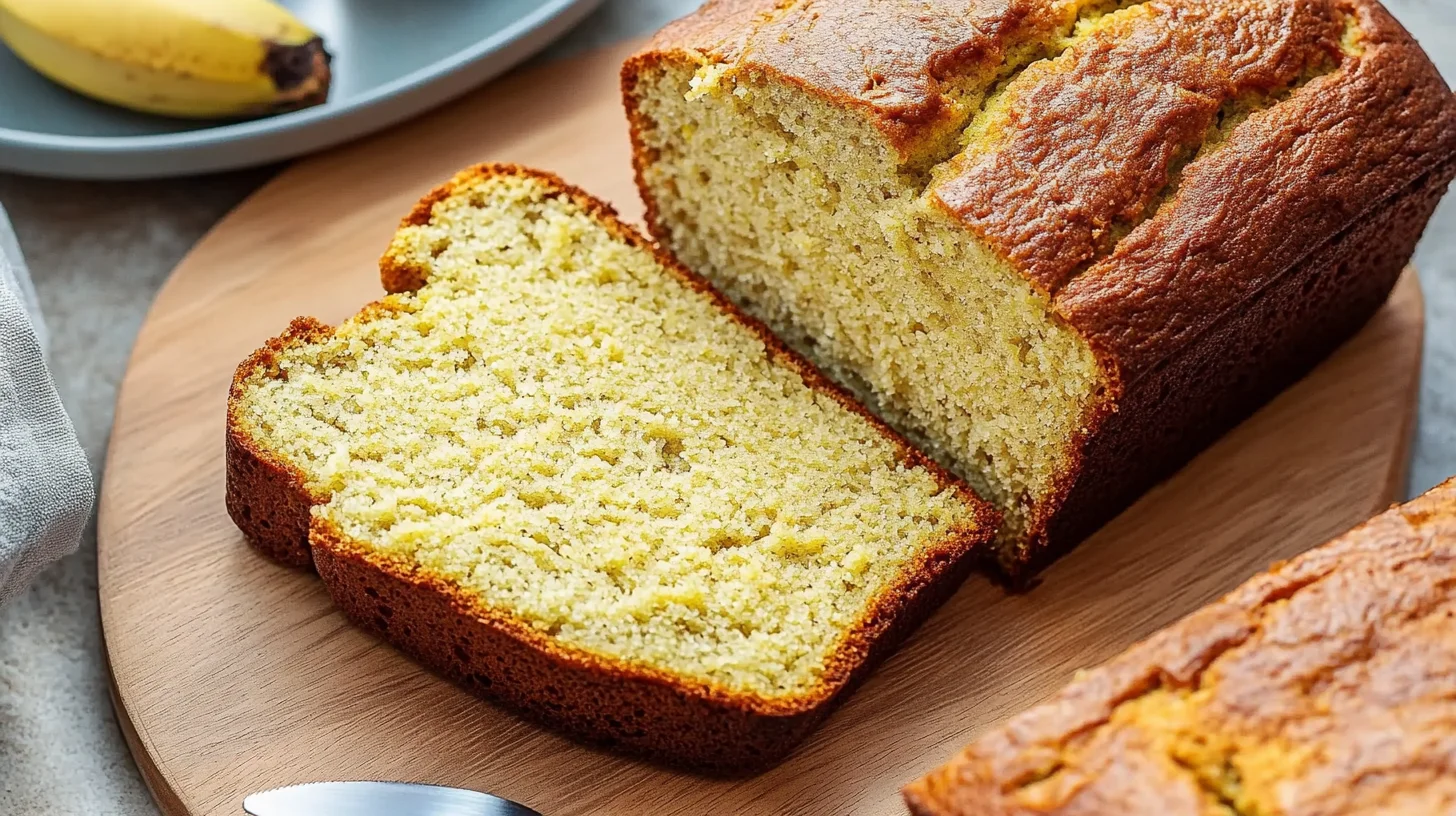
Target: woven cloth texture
45,486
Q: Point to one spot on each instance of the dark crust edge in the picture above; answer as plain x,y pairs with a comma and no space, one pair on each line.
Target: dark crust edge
1242,362
701,725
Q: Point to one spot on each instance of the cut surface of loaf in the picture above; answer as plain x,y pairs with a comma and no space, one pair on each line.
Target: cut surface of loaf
1062,243
1324,686
561,469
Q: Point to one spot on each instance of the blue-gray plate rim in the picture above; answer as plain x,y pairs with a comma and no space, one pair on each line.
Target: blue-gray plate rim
258,141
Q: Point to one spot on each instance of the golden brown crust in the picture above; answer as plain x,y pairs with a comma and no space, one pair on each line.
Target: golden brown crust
1242,361
1343,655
1286,181
1197,321
1091,138
898,63
599,699
1076,186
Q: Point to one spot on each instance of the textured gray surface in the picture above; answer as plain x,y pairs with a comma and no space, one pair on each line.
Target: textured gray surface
98,253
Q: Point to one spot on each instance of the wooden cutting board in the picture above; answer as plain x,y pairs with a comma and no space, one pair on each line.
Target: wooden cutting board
232,674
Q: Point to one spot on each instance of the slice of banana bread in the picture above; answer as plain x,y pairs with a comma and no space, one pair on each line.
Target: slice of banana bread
1324,686
560,469
1062,243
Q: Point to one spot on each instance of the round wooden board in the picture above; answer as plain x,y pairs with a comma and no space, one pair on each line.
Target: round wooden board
233,674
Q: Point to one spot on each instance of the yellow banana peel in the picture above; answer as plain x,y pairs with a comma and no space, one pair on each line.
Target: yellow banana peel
186,58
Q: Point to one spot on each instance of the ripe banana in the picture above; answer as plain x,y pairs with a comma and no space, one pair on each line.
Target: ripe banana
191,58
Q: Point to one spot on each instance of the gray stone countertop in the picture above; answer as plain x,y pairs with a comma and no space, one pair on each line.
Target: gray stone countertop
99,252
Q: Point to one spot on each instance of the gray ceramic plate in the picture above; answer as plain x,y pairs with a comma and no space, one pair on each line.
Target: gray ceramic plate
392,60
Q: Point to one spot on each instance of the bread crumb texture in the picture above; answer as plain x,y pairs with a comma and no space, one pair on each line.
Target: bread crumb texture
823,207
804,215
562,428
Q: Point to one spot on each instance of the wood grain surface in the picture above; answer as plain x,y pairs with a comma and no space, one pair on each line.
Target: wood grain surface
233,674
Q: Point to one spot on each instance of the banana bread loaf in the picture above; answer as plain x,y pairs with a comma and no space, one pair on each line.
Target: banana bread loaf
563,471
1064,244
1324,687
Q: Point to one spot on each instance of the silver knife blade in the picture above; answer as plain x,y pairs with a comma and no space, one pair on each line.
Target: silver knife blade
379,799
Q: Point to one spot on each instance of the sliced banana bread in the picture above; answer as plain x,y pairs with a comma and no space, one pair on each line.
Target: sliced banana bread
560,469
1063,243
1324,687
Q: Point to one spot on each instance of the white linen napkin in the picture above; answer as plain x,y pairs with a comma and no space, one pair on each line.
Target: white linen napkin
45,485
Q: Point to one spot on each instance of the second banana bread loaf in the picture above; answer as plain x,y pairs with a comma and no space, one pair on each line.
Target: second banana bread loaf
1324,687
1064,243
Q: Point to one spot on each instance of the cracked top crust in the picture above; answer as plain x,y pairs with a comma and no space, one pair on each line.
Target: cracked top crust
898,60
1148,166
1320,687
